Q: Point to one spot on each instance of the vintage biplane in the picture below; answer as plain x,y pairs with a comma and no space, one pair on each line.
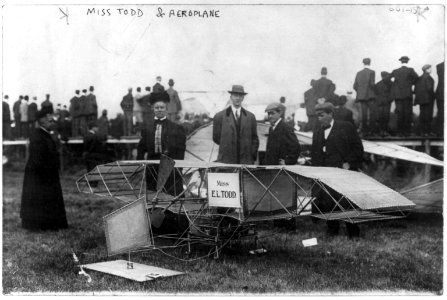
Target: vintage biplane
191,205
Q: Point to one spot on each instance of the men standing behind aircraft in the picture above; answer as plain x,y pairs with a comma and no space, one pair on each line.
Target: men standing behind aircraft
235,131
440,100
283,147
324,87
425,97
92,106
364,87
335,144
137,110
401,91
310,100
158,87
382,90
47,104
83,112
127,107
74,108
6,119
32,114
174,105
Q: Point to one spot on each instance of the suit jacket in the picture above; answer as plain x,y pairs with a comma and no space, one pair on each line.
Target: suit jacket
282,143
236,146
91,105
16,110
6,113
174,104
342,145
404,79
83,110
173,141
440,87
343,114
323,88
75,107
424,90
310,100
32,112
48,105
364,84
158,88
127,103
382,90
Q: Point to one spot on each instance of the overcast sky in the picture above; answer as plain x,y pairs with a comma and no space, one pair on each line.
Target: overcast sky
273,50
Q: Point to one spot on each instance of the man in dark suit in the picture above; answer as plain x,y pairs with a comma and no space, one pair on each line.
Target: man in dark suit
364,86
92,106
83,113
16,114
310,100
283,147
175,105
425,96
402,93
32,114
6,119
382,90
335,144
162,136
235,131
341,113
324,87
95,150
127,107
42,206
47,104
440,100
158,87
74,109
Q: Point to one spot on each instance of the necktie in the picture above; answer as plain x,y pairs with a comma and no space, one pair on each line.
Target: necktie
237,115
158,136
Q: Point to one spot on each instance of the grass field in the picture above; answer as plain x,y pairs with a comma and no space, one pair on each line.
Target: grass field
392,257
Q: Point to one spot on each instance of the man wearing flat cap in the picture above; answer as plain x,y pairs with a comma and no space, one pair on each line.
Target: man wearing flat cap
283,147
235,131
335,144
424,91
160,136
42,206
364,86
402,92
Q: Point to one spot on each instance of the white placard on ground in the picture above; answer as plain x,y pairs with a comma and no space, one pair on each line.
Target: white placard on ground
224,190
310,242
139,272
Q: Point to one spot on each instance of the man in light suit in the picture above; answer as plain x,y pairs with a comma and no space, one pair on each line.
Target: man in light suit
364,87
402,93
335,144
235,131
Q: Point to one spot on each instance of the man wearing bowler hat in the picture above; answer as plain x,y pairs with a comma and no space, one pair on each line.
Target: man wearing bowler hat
335,144
235,131
401,91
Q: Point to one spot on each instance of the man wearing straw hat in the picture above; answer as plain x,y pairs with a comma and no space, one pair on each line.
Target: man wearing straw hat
235,131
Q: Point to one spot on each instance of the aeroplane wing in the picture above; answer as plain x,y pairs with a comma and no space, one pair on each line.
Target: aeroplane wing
200,147
427,197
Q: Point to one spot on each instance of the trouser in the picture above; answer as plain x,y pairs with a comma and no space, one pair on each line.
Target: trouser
368,110
383,116
404,111
17,132
24,129
425,117
128,122
6,130
75,126
83,125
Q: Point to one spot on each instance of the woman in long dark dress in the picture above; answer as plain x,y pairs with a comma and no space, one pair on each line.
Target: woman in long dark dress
42,205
